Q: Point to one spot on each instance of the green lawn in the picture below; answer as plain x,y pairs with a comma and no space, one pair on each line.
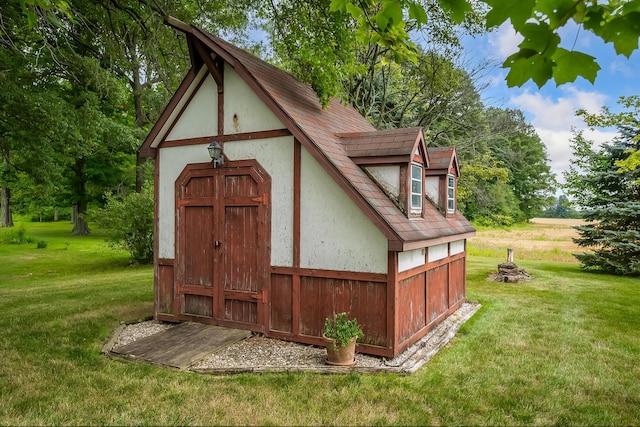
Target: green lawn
561,349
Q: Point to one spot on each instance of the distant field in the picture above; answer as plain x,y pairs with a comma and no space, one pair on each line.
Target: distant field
543,239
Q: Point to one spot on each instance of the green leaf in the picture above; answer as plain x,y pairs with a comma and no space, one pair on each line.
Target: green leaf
338,5
382,20
354,10
417,12
569,65
557,11
525,65
623,32
457,9
539,37
516,11
393,11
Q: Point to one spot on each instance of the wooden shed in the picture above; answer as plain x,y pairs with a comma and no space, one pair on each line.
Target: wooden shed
313,212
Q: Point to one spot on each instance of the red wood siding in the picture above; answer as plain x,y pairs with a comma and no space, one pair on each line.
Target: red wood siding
411,294
313,295
457,281
164,287
281,303
437,292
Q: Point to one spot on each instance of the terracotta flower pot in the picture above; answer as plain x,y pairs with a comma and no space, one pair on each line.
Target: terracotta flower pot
340,356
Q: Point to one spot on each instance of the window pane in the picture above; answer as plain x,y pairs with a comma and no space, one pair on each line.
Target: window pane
416,187
416,201
416,172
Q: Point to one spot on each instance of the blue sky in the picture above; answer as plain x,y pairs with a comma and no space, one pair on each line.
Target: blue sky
551,109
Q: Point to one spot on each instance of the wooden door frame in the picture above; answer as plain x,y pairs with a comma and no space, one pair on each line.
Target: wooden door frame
262,178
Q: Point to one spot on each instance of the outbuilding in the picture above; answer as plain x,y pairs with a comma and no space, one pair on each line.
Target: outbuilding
307,211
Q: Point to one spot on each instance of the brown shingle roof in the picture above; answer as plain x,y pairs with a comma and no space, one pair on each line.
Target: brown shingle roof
441,159
392,142
323,133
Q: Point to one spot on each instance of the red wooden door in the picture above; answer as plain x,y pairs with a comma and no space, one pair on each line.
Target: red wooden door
222,244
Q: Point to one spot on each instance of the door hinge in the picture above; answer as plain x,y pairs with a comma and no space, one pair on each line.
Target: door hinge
264,199
260,296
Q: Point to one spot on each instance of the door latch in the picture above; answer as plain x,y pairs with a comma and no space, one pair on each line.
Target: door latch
217,243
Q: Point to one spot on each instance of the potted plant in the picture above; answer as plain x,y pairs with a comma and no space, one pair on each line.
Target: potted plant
341,334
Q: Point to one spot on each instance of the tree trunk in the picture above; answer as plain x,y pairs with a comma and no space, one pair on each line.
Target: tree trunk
6,218
55,215
80,226
137,88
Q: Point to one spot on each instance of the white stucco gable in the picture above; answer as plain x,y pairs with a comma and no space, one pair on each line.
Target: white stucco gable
200,115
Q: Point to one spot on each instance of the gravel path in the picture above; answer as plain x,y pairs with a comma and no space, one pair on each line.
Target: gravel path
261,354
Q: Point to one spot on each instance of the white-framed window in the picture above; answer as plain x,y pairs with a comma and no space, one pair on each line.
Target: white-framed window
451,194
416,187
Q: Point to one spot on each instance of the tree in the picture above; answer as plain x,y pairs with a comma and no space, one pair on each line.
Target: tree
539,58
607,118
561,209
484,195
610,202
516,146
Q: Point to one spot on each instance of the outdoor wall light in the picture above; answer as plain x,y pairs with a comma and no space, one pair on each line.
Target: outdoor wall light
215,152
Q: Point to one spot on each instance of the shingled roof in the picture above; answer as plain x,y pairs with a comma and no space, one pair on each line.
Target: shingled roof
325,134
441,159
382,143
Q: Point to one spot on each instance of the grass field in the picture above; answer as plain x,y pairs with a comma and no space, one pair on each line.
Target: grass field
560,349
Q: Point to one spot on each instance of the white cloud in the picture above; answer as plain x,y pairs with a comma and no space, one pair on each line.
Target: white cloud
504,41
622,67
554,120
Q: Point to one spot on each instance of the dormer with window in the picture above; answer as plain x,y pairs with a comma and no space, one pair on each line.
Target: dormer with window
396,160
441,183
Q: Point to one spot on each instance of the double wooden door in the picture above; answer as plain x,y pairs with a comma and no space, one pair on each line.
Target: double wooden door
222,244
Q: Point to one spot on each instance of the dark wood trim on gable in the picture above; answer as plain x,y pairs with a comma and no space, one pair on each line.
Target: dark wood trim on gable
219,65
146,150
184,107
276,133
211,65
372,161
297,149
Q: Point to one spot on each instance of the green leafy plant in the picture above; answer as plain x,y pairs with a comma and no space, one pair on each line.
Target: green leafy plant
128,223
42,244
17,236
342,329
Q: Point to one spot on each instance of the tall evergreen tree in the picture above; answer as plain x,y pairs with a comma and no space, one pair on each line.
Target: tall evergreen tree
610,199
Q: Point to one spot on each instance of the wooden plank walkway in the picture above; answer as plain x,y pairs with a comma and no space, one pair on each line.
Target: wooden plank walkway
181,346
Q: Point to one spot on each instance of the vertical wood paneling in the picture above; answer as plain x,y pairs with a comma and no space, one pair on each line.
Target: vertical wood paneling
201,186
457,287
412,310
198,242
198,305
241,271
164,292
281,303
321,297
241,311
240,186
437,292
